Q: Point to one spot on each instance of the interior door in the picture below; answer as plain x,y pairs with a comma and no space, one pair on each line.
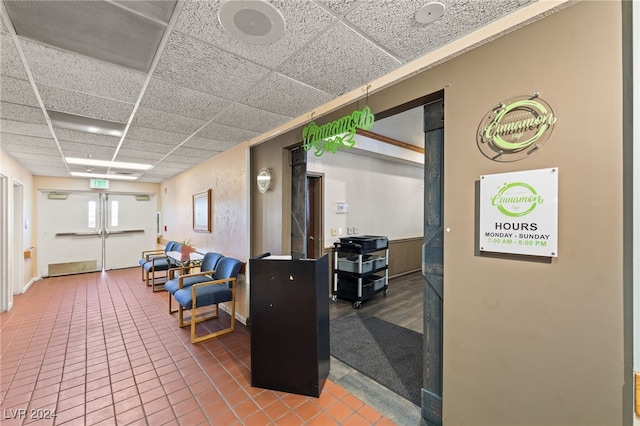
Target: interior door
130,227
83,232
71,233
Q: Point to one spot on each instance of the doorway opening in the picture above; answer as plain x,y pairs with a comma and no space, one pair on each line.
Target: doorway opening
17,270
315,239
6,295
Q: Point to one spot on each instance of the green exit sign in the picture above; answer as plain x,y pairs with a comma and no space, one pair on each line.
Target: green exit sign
99,184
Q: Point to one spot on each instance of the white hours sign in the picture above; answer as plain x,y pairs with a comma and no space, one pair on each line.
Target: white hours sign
519,212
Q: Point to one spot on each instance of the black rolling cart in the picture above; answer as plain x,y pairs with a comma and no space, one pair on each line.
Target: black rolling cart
360,268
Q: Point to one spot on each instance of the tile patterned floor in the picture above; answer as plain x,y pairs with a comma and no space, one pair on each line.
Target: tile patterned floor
101,348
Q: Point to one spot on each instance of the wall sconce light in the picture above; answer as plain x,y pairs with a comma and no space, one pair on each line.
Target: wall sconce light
264,180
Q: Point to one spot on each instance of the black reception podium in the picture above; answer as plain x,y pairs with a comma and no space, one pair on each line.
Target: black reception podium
289,312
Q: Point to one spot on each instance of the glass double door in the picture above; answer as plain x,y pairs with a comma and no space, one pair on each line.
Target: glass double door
83,232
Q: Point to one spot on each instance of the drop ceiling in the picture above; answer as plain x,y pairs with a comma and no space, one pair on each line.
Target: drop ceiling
180,87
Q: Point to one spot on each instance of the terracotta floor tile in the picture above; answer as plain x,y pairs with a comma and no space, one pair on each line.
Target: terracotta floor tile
151,395
130,416
185,407
161,416
127,404
369,413
63,416
102,415
276,410
192,418
112,354
289,419
352,402
339,411
257,419
265,398
322,419
246,408
308,410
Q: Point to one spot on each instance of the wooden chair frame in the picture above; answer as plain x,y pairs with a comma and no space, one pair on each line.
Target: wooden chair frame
147,254
194,318
172,275
153,283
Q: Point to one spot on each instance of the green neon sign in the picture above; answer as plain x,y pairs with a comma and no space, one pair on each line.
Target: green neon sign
331,136
516,199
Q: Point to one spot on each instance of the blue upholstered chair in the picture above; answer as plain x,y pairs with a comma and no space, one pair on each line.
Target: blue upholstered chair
207,269
147,255
222,288
159,263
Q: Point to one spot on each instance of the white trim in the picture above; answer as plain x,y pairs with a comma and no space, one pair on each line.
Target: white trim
6,296
31,281
635,146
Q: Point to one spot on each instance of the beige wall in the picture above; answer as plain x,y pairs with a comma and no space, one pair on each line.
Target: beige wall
17,244
529,343
535,343
226,175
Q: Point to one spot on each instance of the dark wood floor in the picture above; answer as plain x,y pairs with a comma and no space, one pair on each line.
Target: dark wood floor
402,305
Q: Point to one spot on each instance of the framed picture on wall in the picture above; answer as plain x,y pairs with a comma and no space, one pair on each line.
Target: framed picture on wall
202,211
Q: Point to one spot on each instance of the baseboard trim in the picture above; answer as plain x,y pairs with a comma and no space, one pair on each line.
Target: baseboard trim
31,281
239,317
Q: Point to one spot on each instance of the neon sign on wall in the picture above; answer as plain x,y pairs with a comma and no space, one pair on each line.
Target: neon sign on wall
339,133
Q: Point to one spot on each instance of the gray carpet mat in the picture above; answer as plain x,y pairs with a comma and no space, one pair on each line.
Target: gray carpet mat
387,353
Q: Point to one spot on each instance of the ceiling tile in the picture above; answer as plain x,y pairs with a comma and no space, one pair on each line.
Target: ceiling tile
146,146
201,66
19,128
86,105
158,9
226,133
340,6
81,150
48,170
136,156
285,96
348,61
24,114
17,91
246,117
182,160
82,74
140,133
35,157
164,96
200,19
161,120
20,143
209,144
202,154
86,138
171,167
392,25
3,27
11,64
97,29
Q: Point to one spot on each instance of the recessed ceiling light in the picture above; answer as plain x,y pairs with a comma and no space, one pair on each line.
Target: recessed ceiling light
85,124
103,176
105,163
430,12
252,21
